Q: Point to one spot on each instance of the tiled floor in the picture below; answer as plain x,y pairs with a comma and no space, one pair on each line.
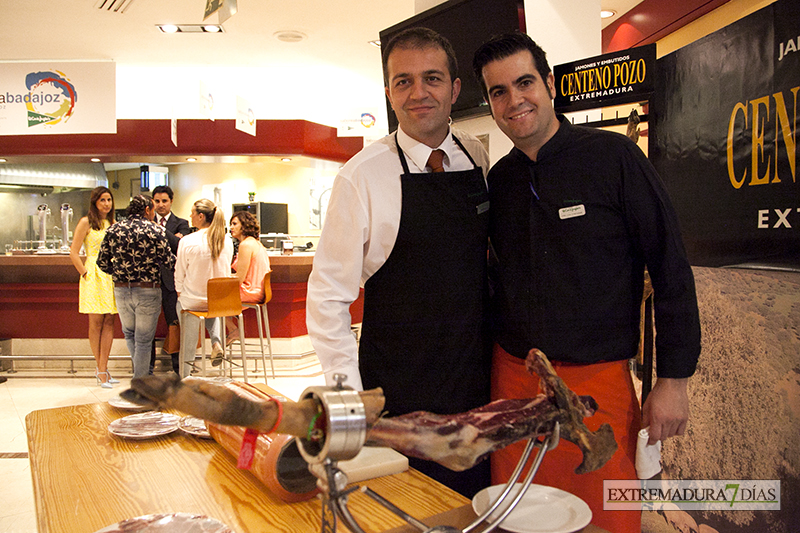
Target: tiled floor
20,396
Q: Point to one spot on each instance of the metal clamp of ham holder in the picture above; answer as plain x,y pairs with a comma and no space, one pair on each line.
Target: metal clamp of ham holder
343,433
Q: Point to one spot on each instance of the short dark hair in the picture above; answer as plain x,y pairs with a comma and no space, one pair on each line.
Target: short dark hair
249,222
139,205
419,39
503,46
165,189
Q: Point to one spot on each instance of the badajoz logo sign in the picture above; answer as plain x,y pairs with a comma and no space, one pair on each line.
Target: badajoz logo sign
57,97
50,99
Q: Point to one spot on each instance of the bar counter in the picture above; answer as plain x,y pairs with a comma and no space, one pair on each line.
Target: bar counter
39,298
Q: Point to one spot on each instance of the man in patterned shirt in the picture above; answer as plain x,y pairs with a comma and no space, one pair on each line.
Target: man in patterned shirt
133,252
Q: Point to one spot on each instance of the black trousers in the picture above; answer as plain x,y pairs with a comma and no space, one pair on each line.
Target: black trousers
169,302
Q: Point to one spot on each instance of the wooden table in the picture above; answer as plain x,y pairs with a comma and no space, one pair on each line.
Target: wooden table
85,479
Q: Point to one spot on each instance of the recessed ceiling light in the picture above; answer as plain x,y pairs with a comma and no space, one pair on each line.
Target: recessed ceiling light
191,159
290,36
376,43
191,28
2,160
607,14
95,160
286,159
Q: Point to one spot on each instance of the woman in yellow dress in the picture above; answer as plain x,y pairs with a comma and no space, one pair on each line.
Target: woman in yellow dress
96,296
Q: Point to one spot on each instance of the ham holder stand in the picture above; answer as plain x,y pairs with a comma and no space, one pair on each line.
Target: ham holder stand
344,431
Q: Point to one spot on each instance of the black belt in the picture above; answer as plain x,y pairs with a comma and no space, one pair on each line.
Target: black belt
143,284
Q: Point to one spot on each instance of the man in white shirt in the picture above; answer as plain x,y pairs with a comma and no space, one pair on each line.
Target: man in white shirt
412,228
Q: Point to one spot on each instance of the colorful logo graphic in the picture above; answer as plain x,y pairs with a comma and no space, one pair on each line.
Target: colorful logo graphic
51,98
367,120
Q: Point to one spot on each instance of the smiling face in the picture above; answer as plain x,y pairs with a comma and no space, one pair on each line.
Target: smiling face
521,101
104,204
421,92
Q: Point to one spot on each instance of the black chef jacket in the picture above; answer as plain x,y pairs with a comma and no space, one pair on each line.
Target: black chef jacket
572,233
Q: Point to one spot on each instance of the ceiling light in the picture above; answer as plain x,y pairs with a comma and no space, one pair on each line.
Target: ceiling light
191,159
290,36
607,14
2,160
286,159
95,160
191,28
376,43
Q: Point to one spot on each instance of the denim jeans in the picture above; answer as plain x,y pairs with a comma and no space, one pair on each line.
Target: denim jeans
138,309
190,334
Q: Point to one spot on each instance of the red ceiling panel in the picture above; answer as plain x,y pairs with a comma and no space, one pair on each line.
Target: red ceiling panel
651,20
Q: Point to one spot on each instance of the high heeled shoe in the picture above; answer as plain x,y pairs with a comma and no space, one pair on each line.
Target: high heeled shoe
112,380
103,384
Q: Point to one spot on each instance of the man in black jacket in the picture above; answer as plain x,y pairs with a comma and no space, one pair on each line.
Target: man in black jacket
576,215
176,228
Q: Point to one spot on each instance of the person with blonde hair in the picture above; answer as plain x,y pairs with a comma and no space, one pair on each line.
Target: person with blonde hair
203,255
96,289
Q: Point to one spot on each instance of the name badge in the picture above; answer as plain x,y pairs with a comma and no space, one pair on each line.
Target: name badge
482,208
571,212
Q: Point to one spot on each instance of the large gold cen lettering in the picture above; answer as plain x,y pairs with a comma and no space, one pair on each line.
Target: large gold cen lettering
758,141
789,136
731,171
785,128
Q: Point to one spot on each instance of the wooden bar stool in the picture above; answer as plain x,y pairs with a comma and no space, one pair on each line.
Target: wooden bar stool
223,301
263,324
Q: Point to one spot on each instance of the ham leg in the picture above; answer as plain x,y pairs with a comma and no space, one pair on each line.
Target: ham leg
456,441
460,441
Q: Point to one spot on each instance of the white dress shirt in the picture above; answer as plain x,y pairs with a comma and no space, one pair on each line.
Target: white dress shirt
359,232
195,267
159,218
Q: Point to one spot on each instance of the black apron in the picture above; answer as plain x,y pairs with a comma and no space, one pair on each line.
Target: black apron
424,337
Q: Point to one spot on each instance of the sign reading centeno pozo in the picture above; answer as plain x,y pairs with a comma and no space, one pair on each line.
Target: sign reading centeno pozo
611,79
719,495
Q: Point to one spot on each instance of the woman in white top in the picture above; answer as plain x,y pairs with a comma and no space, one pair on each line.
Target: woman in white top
202,255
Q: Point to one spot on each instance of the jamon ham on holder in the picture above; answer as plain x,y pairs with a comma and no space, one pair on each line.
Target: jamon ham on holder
457,441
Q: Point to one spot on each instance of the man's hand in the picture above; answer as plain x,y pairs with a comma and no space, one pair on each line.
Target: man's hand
666,409
179,235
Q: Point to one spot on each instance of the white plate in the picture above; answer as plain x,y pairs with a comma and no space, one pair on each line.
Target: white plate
121,403
168,523
144,425
541,510
194,426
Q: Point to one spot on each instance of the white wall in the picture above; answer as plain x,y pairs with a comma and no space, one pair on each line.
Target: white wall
272,182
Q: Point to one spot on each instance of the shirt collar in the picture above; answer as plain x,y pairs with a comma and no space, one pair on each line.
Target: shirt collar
159,217
419,152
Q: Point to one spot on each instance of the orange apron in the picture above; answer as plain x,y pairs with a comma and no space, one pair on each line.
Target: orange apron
611,386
